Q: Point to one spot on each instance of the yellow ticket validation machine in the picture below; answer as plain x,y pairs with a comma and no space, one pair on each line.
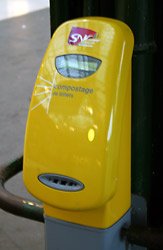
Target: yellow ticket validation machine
77,142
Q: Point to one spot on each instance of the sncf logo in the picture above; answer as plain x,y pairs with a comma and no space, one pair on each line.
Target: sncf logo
82,37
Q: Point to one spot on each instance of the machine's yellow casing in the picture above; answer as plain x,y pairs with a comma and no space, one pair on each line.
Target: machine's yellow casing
83,134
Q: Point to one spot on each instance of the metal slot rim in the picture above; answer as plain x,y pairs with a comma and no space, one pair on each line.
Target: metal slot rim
57,180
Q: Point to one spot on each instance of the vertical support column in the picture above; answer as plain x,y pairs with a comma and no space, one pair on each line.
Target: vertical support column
107,8
156,206
103,8
64,235
139,16
63,10
91,7
58,13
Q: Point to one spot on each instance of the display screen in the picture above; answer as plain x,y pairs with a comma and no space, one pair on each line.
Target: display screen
76,66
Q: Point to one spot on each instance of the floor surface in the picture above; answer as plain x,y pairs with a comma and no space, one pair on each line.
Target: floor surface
13,8
23,41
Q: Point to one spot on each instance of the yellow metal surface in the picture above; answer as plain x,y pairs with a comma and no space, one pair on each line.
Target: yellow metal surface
80,128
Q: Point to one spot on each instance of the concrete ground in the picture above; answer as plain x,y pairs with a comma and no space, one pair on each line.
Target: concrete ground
23,41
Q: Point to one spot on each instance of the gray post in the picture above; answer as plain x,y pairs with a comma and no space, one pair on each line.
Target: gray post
61,235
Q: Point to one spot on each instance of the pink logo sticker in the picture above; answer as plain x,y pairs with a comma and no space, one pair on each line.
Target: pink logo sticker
80,36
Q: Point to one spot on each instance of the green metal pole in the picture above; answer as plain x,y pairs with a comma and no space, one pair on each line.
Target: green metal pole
58,13
91,7
107,8
64,10
156,207
138,14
